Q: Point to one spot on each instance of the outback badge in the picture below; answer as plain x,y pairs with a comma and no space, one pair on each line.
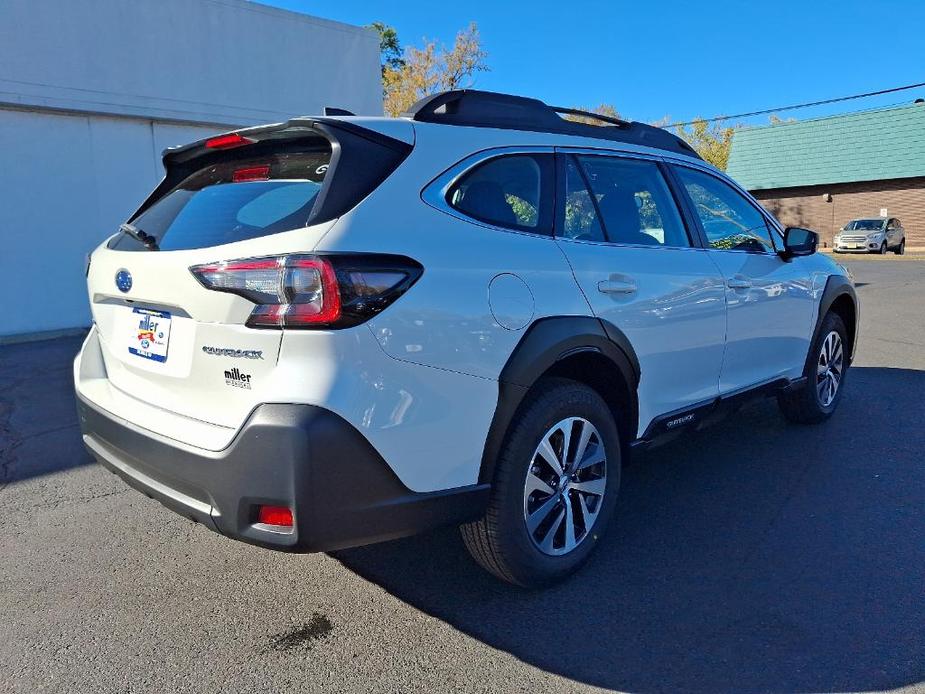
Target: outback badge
229,352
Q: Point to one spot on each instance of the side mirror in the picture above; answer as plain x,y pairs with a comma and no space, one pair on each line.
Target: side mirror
799,242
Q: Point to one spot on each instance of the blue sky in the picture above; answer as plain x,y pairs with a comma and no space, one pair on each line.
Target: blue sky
680,59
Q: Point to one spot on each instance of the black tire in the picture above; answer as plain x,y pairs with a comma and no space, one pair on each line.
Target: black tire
882,250
500,542
804,405
901,248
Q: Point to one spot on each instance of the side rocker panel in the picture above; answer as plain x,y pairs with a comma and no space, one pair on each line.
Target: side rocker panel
546,342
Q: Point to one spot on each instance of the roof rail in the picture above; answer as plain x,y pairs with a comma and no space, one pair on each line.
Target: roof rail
472,107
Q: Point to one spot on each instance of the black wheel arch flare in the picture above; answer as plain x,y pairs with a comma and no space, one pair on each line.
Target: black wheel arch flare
547,342
838,292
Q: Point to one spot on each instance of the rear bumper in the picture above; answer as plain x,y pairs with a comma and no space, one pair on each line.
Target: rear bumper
341,491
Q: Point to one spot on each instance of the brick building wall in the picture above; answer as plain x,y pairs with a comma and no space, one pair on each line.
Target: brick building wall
806,207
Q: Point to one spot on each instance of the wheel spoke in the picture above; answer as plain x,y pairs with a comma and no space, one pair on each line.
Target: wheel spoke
587,431
570,540
593,458
540,514
566,430
587,518
595,487
550,536
549,455
535,484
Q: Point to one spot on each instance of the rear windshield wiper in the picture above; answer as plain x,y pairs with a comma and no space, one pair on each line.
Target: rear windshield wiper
140,236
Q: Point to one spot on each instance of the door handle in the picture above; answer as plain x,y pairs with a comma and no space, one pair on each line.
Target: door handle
616,286
738,283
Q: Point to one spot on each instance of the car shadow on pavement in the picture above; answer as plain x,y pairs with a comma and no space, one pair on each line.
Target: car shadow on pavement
753,556
38,413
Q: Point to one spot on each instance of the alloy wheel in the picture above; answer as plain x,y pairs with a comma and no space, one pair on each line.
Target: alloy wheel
830,368
565,486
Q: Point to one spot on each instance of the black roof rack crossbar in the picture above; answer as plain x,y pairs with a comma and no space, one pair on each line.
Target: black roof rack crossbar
619,122
480,109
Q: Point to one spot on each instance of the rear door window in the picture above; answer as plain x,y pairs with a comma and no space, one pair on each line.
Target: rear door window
579,217
234,201
514,191
634,202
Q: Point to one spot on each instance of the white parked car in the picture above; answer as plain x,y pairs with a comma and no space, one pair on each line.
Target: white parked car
340,330
877,235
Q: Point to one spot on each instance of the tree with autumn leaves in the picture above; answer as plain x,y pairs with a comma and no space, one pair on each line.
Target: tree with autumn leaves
411,73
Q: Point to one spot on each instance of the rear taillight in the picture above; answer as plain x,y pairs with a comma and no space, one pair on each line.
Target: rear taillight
312,291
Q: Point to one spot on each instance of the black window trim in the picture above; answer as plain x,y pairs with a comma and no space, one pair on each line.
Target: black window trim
563,153
562,159
763,213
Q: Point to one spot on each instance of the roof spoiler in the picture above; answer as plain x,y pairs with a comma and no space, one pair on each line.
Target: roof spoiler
360,159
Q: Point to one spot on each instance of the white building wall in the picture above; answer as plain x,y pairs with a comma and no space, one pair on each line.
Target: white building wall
91,92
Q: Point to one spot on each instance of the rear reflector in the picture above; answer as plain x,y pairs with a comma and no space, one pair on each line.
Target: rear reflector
275,515
228,141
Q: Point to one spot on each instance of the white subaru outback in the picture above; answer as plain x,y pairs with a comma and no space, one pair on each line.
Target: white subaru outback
340,330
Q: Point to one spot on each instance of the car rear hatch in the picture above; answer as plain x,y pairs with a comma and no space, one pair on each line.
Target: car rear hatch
167,338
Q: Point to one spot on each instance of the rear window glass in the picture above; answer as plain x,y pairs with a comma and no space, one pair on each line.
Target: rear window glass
234,201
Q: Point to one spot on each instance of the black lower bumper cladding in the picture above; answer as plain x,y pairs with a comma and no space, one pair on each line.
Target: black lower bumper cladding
342,492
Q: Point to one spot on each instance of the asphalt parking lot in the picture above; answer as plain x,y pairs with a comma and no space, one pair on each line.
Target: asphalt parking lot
755,556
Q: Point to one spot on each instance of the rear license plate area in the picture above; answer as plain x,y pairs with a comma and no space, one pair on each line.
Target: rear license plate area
149,334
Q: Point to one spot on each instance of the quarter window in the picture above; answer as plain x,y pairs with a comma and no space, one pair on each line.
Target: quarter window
729,220
634,201
512,191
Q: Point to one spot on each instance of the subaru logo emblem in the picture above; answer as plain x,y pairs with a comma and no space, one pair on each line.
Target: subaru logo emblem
124,280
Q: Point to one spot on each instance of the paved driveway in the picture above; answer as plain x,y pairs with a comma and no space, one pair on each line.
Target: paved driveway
756,556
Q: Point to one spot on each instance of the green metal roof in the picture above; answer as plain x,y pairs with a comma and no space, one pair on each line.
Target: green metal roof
867,146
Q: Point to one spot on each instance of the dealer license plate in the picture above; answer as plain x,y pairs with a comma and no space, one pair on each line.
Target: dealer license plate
150,334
